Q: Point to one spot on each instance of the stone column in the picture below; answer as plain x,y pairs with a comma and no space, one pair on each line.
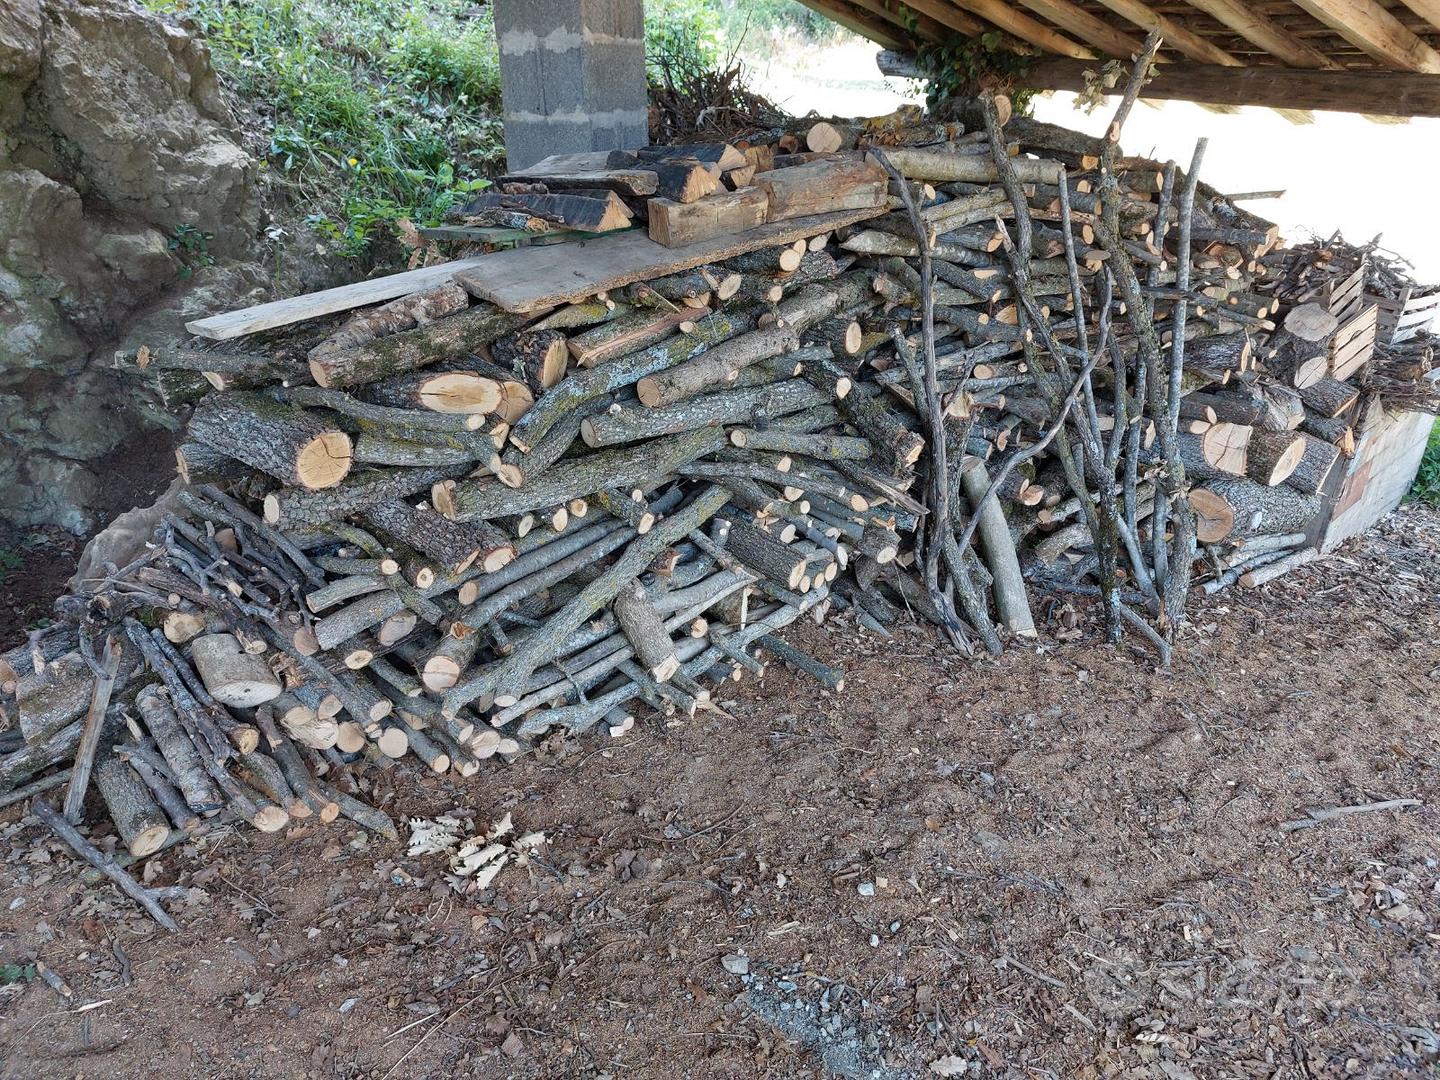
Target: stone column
572,76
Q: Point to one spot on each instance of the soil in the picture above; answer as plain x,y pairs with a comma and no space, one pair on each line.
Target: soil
1066,863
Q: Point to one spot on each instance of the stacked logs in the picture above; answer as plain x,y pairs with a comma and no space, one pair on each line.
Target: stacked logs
442,530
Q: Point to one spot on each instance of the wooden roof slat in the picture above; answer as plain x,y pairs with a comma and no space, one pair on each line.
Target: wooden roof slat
859,21
1429,10
1090,30
1367,25
1172,33
1259,30
926,27
999,13
947,14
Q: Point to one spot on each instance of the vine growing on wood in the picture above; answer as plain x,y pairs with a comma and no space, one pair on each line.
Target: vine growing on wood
961,67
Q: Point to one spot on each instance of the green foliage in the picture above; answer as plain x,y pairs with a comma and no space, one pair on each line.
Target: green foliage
375,110
10,561
961,67
1426,489
682,37
16,973
191,247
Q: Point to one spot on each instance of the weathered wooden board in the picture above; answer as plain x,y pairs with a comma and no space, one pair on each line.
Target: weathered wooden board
250,320
530,278
1378,476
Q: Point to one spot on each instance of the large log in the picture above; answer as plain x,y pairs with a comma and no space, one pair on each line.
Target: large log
1273,456
1315,465
295,447
141,823
1228,509
678,224
233,676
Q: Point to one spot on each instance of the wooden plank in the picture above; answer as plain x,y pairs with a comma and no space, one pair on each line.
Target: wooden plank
250,320
1372,29
1379,475
677,224
858,21
528,278
1429,10
1373,92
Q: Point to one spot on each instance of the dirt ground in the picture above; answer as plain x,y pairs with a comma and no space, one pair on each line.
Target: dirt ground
1063,864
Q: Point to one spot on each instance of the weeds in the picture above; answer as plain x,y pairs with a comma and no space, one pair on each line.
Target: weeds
1426,489
376,111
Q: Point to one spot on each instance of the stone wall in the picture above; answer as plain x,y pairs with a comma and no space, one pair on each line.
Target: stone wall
113,135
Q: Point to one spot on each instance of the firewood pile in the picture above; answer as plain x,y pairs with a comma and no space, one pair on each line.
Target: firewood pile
977,367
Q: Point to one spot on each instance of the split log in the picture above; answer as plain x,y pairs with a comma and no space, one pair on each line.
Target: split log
536,356
287,443
1317,461
1329,398
586,210
628,333
822,187
677,224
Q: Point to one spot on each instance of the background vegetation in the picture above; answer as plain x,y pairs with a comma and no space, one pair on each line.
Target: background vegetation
369,111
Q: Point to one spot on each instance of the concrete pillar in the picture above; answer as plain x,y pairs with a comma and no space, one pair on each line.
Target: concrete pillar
572,76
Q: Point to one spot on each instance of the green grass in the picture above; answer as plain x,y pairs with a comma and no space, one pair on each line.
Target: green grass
1426,489
375,110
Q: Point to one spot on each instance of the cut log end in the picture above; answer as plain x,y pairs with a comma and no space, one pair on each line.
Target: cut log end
324,461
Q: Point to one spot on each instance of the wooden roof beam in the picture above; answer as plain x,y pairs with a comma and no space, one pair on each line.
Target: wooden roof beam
1032,31
890,12
1173,35
948,16
1369,27
1086,27
1398,93
1265,34
860,22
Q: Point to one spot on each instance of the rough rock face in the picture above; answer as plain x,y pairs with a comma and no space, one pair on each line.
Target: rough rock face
113,136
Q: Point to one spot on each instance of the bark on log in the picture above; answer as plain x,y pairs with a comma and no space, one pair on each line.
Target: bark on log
1272,456
822,187
287,443
537,357
645,630
138,819
1229,509
1315,465
717,365
391,318
292,509
411,350
628,333
451,393
624,467
1301,346
1328,398
198,790
707,411
1011,603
